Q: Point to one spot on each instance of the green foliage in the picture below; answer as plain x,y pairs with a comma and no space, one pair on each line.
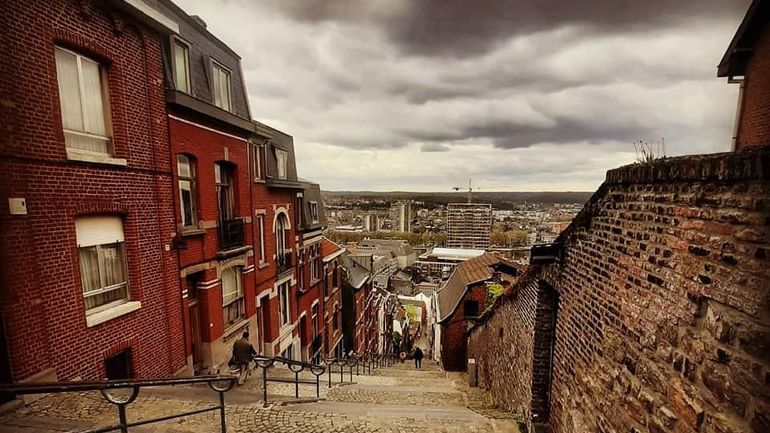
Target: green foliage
510,238
414,239
494,291
411,313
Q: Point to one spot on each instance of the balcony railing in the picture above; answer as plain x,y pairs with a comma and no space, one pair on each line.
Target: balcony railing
283,262
230,234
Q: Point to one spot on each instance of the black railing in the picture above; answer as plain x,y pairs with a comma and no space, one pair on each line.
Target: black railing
220,384
282,262
230,234
296,367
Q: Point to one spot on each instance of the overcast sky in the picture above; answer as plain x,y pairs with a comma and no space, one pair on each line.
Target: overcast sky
522,95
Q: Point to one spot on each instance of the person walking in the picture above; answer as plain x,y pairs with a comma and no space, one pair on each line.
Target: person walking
418,358
243,353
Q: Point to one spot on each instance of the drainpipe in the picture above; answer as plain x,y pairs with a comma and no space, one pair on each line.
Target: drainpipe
738,110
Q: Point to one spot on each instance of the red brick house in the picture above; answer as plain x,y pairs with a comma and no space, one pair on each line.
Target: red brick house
89,277
746,63
463,299
332,297
211,134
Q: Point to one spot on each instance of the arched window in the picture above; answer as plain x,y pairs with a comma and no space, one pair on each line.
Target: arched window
283,258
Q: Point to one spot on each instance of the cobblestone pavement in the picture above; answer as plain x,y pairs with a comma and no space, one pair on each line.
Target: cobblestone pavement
397,399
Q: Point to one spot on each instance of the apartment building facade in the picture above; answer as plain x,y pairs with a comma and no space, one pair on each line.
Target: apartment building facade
87,211
468,225
211,131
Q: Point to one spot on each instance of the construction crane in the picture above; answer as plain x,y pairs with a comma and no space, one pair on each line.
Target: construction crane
470,190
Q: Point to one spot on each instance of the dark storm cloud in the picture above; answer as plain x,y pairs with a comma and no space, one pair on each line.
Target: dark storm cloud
434,147
461,28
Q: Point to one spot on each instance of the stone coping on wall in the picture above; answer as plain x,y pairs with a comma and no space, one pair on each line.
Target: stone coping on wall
729,166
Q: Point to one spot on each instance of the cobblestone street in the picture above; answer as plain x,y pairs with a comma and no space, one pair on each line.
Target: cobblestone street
396,399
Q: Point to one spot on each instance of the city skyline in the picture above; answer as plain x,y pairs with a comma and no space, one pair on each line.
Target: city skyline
362,87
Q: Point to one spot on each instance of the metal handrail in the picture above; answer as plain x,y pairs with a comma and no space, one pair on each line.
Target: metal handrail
220,384
265,362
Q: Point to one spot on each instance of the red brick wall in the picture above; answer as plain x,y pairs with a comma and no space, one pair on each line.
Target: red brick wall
664,315
454,343
754,126
42,301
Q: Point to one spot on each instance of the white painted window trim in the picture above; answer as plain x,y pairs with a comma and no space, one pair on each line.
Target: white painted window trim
112,313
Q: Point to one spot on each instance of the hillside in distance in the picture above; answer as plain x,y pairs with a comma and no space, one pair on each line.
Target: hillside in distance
499,199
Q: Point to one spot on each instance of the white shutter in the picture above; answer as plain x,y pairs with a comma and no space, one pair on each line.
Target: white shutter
98,230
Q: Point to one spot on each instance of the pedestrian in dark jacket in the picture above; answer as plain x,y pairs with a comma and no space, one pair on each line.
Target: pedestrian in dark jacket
418,358
243,353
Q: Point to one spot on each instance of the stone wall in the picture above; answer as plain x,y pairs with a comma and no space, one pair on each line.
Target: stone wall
663,320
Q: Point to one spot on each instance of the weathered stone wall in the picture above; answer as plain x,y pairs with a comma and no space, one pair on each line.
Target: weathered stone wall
664,305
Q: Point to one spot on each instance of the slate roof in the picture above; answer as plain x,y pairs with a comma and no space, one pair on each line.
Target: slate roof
357,274
465,274
398,247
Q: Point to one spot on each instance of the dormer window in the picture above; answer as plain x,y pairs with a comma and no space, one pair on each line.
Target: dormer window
181,53
221,86
314,211
282,159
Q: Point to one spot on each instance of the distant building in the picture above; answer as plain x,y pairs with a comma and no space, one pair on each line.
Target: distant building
371,222
400,249
440,262
468,225
401,216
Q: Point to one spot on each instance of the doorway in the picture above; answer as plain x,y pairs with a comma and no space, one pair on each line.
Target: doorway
193,307
5,363
118,366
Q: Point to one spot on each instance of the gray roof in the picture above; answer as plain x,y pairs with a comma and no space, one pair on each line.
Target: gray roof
741,47
312,193
465,274
398,247
357,274
283,141
203,48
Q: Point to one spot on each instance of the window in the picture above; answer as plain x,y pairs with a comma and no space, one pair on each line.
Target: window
82,90
298,209
335,280
314,320
221,85
284,303
223,177
336,320
261,228
288,353
282,159
314,211
471,308
181,53
233,309
315,262
102,258
281,229
187,196
256,161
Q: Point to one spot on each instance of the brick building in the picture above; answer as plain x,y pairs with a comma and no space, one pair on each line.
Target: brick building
651,311
746,63
87,211
459,301
332,299
211,131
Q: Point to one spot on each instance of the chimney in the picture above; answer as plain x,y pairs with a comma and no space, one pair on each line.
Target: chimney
198,20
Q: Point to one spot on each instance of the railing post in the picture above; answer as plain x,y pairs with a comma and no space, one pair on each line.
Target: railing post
342,370
318,386
296,384
329,366
122,421
222,422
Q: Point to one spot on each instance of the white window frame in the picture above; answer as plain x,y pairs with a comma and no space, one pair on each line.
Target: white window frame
282,163
284,302
314,320
105,107
101,269
313,211
239,298
176,44
193,190
256,161
261,228
217,98
315,265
